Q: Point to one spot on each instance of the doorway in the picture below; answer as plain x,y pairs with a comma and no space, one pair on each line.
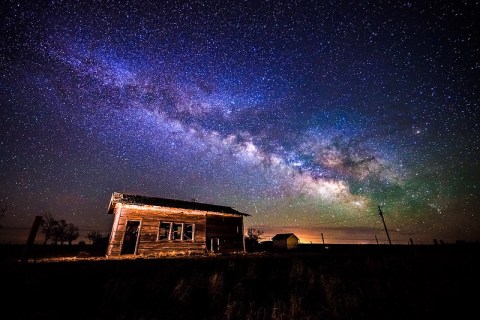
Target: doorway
130,238
214,244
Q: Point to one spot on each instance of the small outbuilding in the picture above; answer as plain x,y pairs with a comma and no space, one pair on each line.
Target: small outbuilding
285,241
154,226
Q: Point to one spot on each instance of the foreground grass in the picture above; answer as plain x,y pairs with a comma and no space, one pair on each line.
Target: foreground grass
331,284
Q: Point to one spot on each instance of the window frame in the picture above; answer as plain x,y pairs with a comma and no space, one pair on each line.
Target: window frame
166,230
172,226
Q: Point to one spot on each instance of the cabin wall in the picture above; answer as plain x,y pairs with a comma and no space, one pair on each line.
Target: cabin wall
288,243
292,242
281,244
116,235
150,218
228,229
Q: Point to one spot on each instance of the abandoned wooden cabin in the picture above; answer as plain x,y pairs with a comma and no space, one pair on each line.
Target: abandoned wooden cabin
152,226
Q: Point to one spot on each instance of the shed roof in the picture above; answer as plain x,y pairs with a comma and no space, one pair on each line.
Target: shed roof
283,236
140,200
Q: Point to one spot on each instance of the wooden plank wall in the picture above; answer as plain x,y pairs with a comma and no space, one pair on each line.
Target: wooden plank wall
227,228
116,235
150,218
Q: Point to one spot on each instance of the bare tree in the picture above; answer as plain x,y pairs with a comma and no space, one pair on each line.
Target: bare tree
252,239
254,234
58,232
48,225
71,233
3,211
94,237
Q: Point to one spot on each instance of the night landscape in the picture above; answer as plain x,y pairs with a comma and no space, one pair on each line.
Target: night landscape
239,159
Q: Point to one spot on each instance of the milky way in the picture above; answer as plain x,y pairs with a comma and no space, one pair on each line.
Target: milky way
307,115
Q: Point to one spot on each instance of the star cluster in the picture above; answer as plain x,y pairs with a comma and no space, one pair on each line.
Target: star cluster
307,115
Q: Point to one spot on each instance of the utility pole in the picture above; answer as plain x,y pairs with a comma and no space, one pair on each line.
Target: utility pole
323,240
383,220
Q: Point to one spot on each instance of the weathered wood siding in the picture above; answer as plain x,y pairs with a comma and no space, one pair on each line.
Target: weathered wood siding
150,218
117,233
288,243
280,244
292,242
228,229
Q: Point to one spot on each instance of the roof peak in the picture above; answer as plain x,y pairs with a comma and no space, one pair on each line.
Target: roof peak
282,236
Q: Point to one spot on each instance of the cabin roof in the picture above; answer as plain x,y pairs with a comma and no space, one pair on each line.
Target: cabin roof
283,236
140,200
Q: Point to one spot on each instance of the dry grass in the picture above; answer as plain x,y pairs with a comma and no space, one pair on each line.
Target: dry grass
326,285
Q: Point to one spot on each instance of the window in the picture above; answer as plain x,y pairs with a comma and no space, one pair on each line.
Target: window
188,232
176,231
164,231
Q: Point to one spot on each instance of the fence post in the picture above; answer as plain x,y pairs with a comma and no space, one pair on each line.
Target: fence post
31,238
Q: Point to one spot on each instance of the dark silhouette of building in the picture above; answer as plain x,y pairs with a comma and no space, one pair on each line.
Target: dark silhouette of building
285,241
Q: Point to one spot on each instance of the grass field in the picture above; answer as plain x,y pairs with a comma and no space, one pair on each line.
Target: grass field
341,282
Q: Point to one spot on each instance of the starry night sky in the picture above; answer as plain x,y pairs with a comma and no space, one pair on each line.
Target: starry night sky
305,114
